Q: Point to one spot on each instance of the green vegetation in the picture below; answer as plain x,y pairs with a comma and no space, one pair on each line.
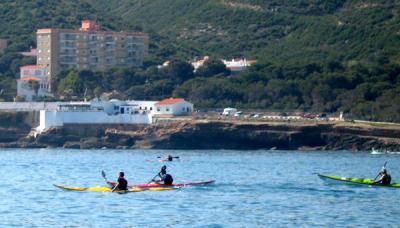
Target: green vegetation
322,56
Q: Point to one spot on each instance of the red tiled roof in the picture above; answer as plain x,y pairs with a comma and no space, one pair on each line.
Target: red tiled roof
32,67
170,101
30,79
31,53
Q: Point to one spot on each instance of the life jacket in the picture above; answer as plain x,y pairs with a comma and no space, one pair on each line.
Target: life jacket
386,179
122,184
168,179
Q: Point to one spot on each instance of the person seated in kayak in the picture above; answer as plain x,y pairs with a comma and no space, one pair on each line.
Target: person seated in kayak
122,183
169,158
384,178
164,176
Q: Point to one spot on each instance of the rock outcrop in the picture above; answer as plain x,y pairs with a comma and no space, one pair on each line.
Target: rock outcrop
202,134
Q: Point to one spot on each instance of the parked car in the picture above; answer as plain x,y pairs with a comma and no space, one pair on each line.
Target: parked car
237,114
257,115
283,114
309,116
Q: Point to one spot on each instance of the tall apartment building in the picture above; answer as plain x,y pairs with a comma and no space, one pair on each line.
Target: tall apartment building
89,48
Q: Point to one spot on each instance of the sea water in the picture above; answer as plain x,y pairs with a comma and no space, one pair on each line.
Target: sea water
252,189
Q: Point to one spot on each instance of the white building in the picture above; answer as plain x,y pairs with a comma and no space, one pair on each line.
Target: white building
237,65
33,82
173,107
234,65
144,105
112,112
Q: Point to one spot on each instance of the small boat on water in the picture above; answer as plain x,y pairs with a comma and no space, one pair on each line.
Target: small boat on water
355,180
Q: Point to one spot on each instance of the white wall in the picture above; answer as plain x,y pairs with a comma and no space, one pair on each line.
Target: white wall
144,105
56,118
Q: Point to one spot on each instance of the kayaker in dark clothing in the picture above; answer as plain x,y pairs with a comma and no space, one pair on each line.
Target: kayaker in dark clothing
384,178
169,158
164,176
122,183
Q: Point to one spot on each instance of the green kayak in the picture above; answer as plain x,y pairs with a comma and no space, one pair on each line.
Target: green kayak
357,180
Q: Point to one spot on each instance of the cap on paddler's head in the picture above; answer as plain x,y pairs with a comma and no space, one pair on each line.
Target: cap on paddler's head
121,174
164,167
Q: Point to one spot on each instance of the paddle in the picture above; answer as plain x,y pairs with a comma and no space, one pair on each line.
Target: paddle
152,179
383,167
103,174
167,157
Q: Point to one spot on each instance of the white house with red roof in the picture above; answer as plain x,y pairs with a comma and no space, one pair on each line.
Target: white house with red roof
173,107
33,82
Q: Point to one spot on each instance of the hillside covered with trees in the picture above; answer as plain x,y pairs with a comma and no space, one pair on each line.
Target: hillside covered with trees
322,56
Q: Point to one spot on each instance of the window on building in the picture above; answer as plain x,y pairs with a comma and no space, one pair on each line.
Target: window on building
167,109
151,108
158,109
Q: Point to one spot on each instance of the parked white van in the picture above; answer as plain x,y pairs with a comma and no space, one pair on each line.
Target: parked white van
229,111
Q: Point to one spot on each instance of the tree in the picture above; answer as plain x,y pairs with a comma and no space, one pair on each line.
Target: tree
211,68
179,71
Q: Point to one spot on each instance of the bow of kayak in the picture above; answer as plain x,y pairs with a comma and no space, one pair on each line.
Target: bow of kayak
355,180
108,189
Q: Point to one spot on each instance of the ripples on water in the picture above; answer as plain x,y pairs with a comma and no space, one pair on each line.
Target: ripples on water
253,189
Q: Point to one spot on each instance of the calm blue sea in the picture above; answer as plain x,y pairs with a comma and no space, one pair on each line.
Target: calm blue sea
253,189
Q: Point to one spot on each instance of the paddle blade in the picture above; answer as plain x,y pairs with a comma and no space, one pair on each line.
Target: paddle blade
103,174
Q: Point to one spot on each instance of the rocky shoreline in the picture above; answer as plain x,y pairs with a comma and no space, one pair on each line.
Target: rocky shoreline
203,134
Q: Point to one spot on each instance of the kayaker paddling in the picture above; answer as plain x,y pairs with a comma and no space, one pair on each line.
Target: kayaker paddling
384,177
122,183
164,176
170,158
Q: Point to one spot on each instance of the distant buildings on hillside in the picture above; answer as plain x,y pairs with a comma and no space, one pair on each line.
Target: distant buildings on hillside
235,65
86,48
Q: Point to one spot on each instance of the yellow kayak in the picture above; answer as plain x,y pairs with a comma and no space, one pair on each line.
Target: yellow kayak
107,189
